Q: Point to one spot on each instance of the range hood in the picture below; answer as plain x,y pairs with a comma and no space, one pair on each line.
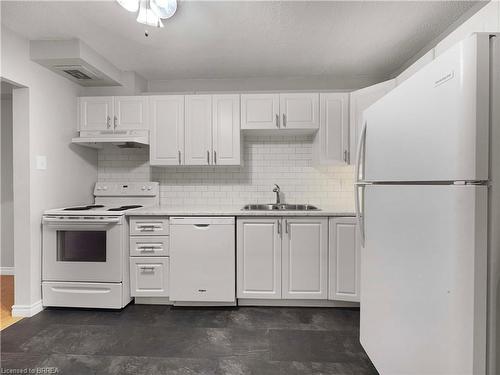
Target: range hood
123,139
76,61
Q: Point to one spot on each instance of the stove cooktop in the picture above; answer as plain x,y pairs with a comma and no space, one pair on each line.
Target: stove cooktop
94,210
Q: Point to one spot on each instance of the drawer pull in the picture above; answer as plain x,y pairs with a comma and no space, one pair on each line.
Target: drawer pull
149,227
148,269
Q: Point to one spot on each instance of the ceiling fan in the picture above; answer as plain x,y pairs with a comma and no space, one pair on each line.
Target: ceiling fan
150,12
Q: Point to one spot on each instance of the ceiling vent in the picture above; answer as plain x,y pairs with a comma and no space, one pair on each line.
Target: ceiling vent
78,72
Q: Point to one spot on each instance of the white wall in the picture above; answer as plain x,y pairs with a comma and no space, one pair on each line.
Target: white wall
6,189
132,84
319,83
267,160
46,128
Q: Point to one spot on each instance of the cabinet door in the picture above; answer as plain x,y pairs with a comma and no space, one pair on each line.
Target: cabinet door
260,111
359,101
305,257
344,260
226,129
131,112
166,137
96,113
149,276
258,258
198,141
331,144
299,111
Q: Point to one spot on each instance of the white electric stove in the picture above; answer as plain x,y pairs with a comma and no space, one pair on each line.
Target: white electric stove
85,247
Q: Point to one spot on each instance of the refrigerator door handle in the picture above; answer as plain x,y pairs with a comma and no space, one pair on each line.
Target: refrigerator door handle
360,166
360,188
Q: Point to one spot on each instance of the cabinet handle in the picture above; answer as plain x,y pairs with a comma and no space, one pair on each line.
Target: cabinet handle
208,157
345,156
286,226
147,249
279,228
179,154
284,120
215,157
115,121
277,120
148,268
108,122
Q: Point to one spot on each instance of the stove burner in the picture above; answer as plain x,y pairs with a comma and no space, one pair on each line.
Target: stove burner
123,208
84,208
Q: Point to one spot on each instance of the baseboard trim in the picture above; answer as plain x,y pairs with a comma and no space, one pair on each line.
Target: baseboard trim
294,303
27,311
152,301
4,271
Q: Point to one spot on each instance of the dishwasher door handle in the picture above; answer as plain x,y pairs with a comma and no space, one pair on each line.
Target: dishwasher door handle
201,225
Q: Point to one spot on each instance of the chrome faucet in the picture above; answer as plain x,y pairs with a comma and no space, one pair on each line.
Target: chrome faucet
277,191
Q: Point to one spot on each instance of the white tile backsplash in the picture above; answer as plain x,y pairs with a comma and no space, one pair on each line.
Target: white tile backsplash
267,160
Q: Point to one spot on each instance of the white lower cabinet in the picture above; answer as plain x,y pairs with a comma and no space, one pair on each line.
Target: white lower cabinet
258,258
282,258
149,256
305,258
149,276
344,264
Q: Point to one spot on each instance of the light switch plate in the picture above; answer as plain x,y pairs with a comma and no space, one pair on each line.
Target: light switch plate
41,162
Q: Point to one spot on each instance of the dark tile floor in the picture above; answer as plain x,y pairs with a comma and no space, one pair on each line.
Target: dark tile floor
144,339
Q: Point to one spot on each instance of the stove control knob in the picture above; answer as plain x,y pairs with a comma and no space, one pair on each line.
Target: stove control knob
149,187
105,188
143,188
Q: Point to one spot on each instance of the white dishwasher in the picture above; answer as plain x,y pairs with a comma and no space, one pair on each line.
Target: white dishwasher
202,260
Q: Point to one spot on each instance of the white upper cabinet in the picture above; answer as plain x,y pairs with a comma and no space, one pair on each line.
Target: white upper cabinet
226,129
113,113
198,130
260,111
305,258
299,111
96,113
359,101
130,112
167,130
259,258
195,130
331,143
344,260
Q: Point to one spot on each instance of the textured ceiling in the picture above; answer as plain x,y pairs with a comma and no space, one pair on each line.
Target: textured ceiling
239,39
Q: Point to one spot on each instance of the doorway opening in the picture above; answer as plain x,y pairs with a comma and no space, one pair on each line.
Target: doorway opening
7,269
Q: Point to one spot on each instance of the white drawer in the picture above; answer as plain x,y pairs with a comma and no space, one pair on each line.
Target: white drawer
149,276
148,226
94,295
149,246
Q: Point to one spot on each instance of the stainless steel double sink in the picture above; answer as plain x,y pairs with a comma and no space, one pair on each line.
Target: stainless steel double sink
279,207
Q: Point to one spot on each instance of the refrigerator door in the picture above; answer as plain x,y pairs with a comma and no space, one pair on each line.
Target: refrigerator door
423,279
434,126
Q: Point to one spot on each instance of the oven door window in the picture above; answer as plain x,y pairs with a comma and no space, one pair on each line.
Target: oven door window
81,246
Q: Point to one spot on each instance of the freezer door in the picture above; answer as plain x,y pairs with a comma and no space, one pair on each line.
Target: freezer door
434,126
423,279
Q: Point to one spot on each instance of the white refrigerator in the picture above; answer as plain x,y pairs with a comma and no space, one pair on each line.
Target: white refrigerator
428,208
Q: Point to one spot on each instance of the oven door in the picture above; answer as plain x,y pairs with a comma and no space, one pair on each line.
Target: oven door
82,248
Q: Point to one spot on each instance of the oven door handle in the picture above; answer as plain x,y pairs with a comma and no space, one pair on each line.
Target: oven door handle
54,220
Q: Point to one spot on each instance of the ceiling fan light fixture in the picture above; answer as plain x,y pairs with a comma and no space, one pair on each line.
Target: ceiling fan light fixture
130,5
146,15
164,8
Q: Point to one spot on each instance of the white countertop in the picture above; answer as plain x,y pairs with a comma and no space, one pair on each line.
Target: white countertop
234,211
